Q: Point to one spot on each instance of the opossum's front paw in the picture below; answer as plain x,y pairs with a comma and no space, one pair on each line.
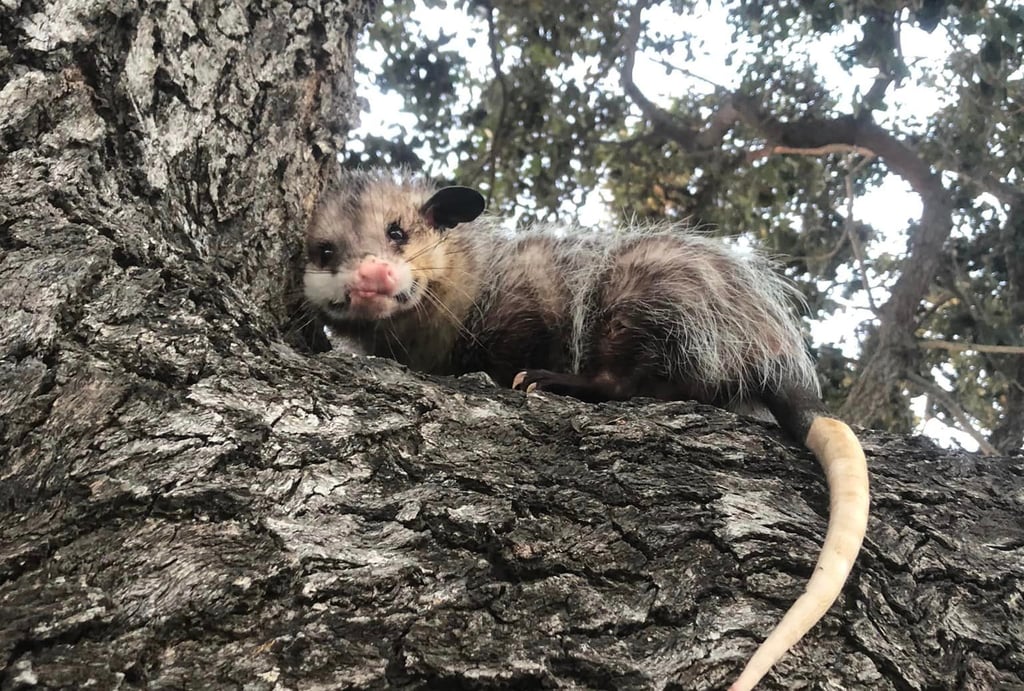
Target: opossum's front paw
573,385
542,380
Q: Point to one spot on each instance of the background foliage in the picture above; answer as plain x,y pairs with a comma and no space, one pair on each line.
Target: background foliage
554,110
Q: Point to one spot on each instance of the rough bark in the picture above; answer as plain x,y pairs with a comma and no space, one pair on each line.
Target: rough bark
188,501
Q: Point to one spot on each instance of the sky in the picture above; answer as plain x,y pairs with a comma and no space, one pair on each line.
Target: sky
889,208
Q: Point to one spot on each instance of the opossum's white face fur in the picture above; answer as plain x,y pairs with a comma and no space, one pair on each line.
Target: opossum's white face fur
375,248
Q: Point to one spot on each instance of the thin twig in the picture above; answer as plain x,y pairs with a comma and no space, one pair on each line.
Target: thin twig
669,67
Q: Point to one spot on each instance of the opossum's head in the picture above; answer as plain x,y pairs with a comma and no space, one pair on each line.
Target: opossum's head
377,246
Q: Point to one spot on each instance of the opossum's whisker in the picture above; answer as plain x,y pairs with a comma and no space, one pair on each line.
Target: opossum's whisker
454,286
429,248
391,339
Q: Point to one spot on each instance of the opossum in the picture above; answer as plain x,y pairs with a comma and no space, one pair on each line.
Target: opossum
423,276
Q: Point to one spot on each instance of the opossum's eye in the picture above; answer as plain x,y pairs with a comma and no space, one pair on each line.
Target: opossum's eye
396,234
321,254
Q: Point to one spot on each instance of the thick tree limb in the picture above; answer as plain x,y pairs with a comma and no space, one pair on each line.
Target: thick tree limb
186,501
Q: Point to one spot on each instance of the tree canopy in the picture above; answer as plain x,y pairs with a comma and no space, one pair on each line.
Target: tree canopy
557,109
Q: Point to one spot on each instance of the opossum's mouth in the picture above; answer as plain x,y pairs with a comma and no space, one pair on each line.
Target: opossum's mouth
373,305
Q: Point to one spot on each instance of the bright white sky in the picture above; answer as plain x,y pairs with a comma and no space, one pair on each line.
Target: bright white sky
889,208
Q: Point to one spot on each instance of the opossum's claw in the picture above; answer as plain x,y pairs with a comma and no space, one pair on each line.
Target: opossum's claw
522,382
544,380
575,385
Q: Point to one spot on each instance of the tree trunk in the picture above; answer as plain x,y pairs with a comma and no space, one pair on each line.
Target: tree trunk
188,501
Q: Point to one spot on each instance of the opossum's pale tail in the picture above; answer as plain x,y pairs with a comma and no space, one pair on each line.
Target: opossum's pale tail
842,459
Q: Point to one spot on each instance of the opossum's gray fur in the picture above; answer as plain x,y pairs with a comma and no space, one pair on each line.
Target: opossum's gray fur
731,315
711,319
728,316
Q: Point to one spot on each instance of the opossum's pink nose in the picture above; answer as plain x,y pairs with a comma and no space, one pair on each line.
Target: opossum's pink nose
375,277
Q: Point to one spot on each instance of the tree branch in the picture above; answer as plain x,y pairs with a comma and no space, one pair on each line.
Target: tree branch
956,346
661,119
813,151
873,98
949,403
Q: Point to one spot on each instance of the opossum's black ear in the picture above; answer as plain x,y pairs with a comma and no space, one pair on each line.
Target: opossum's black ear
450,206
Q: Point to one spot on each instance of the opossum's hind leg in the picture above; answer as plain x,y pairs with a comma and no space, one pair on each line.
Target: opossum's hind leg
801,413
586,388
